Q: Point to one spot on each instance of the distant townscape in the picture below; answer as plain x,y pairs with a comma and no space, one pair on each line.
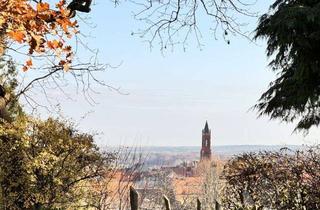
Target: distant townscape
173,156
180,172
181,179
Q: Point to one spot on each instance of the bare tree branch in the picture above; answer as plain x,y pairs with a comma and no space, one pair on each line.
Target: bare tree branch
172,22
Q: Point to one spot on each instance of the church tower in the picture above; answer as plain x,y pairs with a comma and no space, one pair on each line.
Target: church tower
205,152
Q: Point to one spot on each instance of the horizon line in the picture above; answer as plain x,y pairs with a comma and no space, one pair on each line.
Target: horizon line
222,145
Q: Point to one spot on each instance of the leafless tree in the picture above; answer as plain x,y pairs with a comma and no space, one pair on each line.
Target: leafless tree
274,180
172,22
153,185
111,192
212,184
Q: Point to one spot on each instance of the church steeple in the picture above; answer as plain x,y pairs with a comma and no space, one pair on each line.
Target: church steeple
205,152
206,127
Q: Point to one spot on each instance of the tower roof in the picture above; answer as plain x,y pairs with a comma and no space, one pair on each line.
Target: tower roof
206,128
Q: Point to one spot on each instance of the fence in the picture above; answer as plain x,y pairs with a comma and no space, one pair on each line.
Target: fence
134,201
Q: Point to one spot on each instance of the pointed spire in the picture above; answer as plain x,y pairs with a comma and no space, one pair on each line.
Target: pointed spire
206,128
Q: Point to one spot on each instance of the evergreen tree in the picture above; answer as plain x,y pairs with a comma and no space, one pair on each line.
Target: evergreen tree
9,106
292,30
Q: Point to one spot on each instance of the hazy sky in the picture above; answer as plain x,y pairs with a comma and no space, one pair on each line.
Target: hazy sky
171,96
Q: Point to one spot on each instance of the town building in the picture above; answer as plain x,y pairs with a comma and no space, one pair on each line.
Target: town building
205,153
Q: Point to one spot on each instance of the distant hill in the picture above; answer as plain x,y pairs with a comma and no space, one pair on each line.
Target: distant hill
218,150
169,156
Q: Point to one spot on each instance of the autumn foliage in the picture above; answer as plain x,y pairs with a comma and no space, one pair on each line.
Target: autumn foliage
282,179
46,164
40,28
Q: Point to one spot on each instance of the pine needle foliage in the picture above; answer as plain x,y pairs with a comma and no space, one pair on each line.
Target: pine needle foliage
292,31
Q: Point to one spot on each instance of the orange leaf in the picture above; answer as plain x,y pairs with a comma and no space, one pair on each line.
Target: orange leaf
41,7
62,63
67,49
53,44
24,68
17,36
1,50
61,3
29,63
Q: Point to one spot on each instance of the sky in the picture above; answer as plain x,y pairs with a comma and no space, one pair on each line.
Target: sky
170,96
